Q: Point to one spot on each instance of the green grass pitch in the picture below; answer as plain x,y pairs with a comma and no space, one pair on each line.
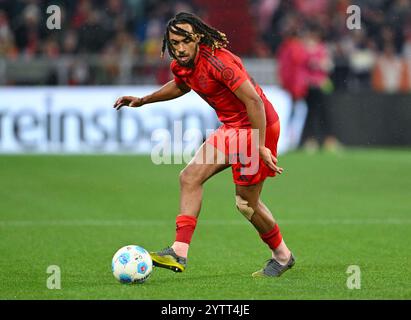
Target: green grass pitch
334,211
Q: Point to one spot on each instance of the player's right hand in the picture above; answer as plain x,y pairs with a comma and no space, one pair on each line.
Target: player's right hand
129,101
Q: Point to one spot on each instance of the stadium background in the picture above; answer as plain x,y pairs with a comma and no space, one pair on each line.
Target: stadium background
57,90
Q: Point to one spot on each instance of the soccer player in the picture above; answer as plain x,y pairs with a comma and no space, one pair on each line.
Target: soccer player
201,63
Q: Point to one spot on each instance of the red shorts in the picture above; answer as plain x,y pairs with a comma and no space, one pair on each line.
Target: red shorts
237,144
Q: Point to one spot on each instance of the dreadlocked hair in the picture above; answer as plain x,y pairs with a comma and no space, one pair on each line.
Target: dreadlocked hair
209,36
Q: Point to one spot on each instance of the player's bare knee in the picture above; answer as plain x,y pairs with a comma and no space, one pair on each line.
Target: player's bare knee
185,177
244,207
188,177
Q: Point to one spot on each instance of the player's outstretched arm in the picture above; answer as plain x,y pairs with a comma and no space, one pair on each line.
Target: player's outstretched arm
167,92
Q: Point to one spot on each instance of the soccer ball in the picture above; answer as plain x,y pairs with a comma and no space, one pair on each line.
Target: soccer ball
131,264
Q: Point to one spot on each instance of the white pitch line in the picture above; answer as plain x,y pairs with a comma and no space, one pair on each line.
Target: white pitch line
142,222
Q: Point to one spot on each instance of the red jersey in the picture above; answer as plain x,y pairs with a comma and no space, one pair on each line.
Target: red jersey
215,78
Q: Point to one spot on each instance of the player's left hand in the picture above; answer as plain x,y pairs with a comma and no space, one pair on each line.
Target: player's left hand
270,160
132,102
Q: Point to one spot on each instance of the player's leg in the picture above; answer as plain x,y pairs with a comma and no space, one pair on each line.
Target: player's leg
266,222
250,205
207,162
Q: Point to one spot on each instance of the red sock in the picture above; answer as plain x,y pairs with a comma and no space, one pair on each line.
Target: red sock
272,238
185,226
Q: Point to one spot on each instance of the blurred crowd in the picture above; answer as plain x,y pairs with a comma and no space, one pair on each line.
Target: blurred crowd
87,26
109,30
378,55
